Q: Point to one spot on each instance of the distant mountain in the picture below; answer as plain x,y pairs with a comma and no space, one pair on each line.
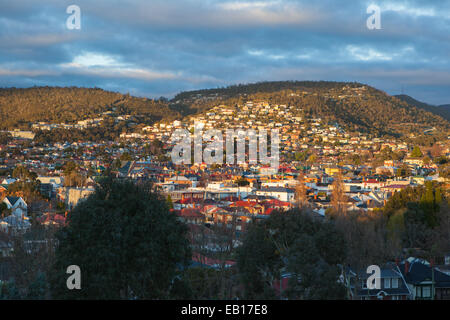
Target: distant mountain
446,107
443,110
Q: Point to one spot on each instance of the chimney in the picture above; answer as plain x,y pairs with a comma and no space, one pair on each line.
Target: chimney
397,261
406,267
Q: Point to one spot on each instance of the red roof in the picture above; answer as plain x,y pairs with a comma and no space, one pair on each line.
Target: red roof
276,202
56,218
189,200
189,213
243,203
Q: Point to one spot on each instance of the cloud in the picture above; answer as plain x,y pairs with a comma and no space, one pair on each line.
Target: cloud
26,73
92,59
134,73
164,46
407,8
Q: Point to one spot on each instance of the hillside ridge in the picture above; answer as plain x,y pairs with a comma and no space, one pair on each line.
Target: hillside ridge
355,106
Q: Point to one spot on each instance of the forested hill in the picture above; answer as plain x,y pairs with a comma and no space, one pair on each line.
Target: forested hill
266,86
443,111
355,106
20,107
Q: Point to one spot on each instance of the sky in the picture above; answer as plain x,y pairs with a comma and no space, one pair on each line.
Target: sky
156,48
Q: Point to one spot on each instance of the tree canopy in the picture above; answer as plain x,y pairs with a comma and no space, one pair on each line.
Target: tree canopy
125,241
294,243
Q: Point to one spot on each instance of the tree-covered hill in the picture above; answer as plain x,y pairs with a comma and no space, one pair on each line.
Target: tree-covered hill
355,106
443,111
20,107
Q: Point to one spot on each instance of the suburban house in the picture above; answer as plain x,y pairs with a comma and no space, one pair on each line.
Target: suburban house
15,224
392,285
17,206
190,215
423,280
74,195
283,194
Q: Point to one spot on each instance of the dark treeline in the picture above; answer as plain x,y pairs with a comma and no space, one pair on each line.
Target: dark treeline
443,111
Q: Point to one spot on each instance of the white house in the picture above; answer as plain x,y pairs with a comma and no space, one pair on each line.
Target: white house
55,181
17,206
8,181
283,194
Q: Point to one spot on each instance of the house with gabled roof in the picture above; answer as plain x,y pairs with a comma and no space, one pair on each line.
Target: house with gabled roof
392,284
17,205
425,281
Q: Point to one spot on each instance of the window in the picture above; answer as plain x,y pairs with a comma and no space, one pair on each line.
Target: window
395,283
426,292
387,283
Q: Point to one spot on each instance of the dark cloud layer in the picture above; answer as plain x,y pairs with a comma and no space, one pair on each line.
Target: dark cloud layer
155,47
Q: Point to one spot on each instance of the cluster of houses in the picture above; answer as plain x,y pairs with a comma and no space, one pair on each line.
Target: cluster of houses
15,214
199,187
81,124
231,196
188,190
411,279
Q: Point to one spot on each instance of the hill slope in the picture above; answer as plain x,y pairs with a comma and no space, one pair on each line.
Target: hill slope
443,111
19,107
355,106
